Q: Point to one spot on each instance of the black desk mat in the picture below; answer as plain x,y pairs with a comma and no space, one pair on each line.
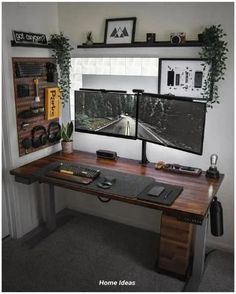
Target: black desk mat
128,185
167,197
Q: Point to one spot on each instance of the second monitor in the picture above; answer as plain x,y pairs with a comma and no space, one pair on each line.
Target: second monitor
171,121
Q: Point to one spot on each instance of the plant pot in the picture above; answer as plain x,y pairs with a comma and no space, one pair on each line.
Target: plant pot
67,147
89,43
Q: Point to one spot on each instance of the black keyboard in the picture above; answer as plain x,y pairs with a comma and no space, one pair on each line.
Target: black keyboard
77,170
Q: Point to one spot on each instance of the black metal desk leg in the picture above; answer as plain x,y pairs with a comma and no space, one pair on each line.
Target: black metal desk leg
50,207
198,258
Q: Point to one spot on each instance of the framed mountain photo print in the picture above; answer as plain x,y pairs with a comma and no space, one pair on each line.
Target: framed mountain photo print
120,30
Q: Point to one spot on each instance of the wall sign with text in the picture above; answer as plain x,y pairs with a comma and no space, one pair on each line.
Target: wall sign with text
52,103
29,38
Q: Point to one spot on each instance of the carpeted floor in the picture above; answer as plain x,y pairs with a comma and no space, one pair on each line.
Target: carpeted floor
219,273
88,250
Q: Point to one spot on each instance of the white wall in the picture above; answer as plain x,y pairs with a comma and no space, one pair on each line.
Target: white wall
117,82
22,200
75,19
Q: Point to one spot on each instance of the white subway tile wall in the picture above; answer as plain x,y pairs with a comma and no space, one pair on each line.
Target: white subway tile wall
109,66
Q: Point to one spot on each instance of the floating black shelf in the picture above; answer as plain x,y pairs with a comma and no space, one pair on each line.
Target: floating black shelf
192,43
29,114
14,44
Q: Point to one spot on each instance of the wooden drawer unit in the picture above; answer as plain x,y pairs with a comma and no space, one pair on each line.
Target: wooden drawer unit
175,246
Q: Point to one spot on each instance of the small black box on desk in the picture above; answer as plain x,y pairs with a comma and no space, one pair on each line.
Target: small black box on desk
106,154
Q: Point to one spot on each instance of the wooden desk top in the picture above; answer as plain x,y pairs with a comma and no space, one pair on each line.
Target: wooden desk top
193,202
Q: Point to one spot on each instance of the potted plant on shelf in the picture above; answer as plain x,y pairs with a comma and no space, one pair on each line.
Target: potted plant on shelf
214,50
89,37
66,134
61,52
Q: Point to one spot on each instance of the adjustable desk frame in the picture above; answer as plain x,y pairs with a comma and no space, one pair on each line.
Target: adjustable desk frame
191,206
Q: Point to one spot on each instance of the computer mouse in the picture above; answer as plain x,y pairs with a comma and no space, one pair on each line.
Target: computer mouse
109,180
103,186
107,183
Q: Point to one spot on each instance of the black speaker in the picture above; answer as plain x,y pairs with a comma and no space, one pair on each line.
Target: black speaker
106,154
150,37
51,72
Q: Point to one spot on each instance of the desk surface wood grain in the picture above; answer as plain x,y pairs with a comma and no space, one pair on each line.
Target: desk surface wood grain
194,201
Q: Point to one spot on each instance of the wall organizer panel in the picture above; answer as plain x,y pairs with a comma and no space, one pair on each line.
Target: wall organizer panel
26,73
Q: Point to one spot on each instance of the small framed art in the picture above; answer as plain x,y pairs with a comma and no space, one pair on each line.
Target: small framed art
120,30
182,77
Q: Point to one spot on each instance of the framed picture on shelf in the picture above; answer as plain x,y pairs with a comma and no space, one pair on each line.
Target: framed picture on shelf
182,77
120,30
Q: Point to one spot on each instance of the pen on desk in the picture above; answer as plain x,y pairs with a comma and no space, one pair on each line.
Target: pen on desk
166,196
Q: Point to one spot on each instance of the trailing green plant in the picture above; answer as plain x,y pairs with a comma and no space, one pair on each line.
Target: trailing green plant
61,52
214,52
67,132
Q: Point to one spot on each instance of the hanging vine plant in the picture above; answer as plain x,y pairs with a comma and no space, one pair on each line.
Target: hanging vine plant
214,52
61,52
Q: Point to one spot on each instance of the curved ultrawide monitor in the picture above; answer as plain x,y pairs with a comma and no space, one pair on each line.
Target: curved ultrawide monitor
106,113
171,121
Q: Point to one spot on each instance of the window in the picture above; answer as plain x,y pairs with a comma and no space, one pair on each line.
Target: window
113,73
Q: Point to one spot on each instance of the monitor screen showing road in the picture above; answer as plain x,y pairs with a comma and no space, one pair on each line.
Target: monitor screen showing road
106,113
171,122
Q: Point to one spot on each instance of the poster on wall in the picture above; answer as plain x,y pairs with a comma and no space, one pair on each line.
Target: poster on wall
182,77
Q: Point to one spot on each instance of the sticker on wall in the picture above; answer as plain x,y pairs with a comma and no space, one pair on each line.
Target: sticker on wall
52,103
